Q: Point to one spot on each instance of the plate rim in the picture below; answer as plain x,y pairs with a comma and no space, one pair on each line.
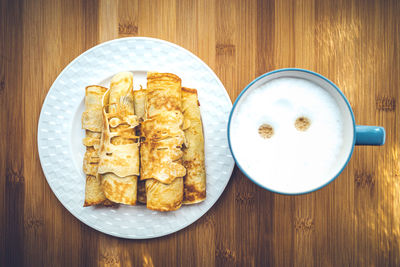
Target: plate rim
77,216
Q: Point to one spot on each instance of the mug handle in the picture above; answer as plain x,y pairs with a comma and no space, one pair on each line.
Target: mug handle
370,135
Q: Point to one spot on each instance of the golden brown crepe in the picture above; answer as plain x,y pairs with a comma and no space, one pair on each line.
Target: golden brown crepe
119,151
92,123
193,152
161,150
164,197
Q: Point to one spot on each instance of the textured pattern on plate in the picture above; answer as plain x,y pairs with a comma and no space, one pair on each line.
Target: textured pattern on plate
60,134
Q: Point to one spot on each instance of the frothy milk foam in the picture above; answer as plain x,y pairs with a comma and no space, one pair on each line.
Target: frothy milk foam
291,160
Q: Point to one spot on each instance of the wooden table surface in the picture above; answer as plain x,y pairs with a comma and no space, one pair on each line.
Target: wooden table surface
355,220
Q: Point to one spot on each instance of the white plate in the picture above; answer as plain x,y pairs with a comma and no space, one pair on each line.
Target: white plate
60,135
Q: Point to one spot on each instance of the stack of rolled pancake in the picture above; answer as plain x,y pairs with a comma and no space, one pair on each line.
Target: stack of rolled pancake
172,168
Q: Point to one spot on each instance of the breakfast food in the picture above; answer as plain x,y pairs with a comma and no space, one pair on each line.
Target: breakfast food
92,123
155,133
193,152
119,150
161,150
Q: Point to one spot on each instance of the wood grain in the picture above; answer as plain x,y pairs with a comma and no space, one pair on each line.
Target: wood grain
353,221
12,163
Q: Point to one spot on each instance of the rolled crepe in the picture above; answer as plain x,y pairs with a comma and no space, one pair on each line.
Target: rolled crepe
139,98
164,197
92,123
119,151
193,152
161,150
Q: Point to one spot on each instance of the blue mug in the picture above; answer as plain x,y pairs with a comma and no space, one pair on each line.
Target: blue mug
353,134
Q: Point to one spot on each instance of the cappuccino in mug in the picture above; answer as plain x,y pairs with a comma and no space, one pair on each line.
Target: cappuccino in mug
287,133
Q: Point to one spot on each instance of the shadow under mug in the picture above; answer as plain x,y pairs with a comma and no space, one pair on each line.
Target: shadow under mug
353,134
